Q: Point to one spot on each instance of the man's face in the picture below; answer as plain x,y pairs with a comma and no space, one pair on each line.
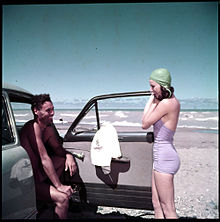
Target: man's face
46,113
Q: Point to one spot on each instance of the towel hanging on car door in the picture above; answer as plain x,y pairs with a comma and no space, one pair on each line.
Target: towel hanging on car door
104,147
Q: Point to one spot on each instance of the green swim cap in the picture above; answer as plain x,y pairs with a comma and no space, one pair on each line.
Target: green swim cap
162,77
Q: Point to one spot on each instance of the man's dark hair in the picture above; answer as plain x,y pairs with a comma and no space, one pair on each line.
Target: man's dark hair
39,100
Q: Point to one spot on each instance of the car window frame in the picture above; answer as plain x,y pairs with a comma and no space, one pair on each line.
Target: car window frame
93,103
7,134
11,120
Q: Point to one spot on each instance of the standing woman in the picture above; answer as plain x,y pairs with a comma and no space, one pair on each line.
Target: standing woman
162,111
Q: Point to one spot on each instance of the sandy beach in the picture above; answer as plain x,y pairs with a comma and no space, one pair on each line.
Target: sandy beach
196,183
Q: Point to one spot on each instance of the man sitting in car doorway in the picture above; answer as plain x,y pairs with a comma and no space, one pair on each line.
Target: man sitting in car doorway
49,159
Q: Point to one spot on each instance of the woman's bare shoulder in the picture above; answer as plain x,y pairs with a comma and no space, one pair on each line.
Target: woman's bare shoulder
176,102
171,103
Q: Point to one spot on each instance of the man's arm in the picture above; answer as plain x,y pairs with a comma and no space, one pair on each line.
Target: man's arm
48,164
54,143
52,140
71,164
45,159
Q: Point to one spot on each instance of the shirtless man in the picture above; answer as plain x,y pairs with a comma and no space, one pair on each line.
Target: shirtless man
49,159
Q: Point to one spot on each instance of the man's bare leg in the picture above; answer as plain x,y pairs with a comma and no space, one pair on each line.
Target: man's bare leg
62,202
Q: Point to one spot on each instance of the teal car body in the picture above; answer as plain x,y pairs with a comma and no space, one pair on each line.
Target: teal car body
18,190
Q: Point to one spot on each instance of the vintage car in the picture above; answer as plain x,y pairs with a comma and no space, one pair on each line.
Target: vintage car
18,191
127,185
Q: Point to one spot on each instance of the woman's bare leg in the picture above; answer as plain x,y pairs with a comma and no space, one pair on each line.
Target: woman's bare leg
158,212
165,188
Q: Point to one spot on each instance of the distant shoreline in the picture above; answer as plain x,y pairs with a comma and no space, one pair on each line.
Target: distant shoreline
115,109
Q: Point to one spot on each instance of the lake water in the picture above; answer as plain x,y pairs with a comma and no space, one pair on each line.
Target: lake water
203,120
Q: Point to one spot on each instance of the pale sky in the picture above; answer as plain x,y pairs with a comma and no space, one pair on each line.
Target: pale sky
77,51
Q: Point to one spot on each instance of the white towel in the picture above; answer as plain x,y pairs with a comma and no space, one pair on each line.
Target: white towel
105,146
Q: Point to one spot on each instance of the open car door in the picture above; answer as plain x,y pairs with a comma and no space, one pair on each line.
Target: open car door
129,183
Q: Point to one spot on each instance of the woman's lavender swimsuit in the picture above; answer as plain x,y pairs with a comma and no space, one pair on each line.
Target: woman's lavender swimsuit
166,159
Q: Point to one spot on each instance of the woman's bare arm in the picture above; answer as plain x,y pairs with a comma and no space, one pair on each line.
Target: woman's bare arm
156,111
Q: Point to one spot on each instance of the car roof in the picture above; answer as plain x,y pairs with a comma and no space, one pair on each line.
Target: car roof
8,86
16,93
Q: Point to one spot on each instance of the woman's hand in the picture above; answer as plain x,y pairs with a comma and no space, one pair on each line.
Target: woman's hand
156,101
148,104
148,110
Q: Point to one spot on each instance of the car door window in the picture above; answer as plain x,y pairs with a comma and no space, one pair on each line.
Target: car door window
88,122
124,114
22,113
7,135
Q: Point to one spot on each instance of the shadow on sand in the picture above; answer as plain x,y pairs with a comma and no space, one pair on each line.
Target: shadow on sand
89,211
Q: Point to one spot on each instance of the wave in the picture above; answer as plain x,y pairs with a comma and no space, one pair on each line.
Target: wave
197,127
133,124
68,114
16,115
125,123
200,119
21,120
120,114
129,124
90,117
94,117
116,123
59,121
187,116
54,121
208,118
